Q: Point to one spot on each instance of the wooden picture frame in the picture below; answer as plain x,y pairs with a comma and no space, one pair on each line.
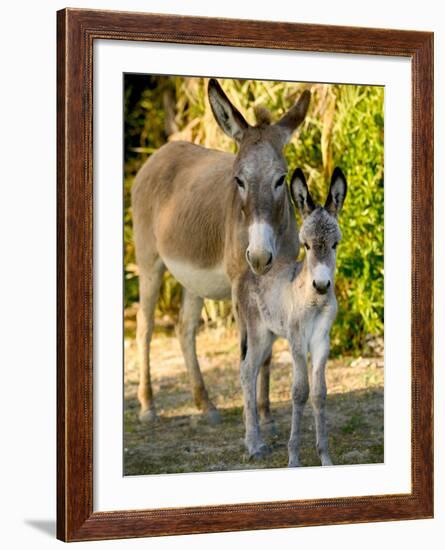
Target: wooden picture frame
76,32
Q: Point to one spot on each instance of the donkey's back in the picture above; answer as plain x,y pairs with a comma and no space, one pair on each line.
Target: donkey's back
179,161
173,203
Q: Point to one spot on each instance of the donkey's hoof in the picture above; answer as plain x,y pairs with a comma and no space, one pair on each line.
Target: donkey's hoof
212,416
326,461
148,417
260,453
293,463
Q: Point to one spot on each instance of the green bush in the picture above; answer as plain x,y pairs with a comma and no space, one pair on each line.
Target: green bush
344,127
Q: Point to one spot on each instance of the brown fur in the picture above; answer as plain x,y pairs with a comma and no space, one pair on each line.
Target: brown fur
173,202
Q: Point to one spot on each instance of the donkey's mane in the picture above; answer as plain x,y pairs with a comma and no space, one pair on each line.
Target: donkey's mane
321,224
262,116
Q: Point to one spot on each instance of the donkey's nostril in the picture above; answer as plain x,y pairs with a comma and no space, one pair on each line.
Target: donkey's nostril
269,261
321,286
248,254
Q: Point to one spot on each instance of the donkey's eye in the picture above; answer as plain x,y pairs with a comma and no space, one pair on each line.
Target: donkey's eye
239,182
306,246
280,182
334,246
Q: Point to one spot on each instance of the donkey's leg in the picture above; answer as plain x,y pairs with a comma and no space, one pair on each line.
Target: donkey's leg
266,420
150,280
258,349
188,324
319,356
300,393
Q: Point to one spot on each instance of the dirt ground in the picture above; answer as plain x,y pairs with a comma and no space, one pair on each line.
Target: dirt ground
181,441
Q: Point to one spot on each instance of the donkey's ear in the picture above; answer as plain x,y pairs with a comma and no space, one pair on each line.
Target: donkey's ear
227,116
294,117
300,193
337,192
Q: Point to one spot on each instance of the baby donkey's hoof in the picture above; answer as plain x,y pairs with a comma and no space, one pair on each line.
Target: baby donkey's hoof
259,453
326,460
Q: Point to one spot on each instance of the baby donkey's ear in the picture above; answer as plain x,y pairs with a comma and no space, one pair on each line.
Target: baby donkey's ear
337,192
300,193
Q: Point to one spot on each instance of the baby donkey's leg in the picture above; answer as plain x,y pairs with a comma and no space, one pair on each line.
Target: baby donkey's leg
267,422
258,348
319,356
300,393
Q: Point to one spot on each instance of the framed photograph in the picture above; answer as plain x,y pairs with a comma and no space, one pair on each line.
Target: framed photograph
245,275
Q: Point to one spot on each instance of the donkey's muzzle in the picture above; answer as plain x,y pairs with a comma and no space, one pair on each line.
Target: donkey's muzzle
259,262
321,286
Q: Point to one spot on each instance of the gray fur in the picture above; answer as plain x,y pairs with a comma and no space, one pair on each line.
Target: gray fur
290,302
320,226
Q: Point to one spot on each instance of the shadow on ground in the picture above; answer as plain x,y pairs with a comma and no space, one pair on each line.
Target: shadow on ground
189,444
181,441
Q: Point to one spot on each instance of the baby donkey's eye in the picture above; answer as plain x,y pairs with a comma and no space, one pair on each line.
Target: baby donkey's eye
334,246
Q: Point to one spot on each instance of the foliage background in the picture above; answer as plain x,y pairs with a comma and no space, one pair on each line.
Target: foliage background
344,127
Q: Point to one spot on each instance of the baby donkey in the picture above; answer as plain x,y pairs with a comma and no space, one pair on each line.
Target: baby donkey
296,301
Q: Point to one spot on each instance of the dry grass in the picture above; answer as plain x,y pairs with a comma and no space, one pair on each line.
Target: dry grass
181,441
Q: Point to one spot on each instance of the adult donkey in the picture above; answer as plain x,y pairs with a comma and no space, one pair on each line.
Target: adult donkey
206,216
